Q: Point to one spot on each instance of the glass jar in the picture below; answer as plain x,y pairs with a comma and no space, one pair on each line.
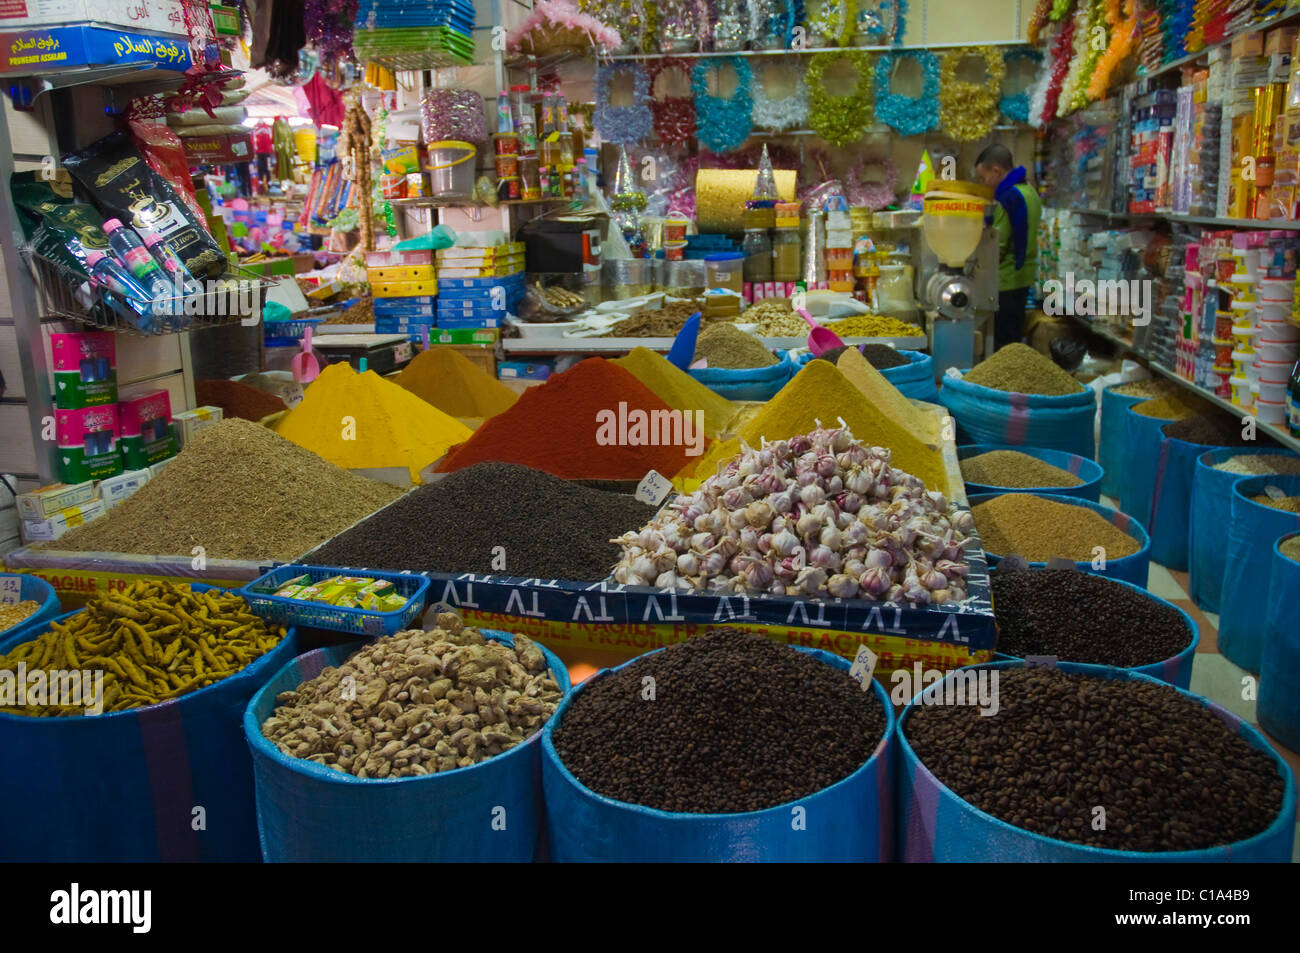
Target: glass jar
757,248
787,254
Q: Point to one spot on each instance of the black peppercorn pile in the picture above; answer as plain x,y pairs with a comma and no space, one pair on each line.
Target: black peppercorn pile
879,356
547,528
1213,430
1170,775
1079,617
737,723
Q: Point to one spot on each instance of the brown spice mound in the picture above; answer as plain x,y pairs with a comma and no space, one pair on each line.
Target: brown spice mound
359,312
1014,469
237,399
1173,407
1019,369
241,491
1291,548
726,346
1040,529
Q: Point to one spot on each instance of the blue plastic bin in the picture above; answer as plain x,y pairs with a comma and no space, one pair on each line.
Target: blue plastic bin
1086,470
852,820
320,615
308,812
750,383
1132,568
30,588
935,824
1278,707
128,785
1110,445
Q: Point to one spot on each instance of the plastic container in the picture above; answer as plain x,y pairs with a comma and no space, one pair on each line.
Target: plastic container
139,775
986,415
1177,669
308,812
1278,707
451,168
34,589
1110,446
627,277
1087,470
1272,393
726,270
937,825
1132,568
1241,395
851,820
319,615
1270,411
1137,474
750,383
1253,528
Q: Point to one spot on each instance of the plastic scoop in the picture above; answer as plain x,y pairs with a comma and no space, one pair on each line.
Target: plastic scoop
820,339
683,349
362,365
424,337
304,365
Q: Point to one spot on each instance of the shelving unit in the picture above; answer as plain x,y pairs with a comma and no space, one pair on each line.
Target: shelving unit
811,50
597,345
1256,223
1182,61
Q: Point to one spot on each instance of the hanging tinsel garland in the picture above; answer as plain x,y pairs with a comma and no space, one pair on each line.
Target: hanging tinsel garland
969,111
623,125
723,124
674,116
789,112
1015,106
908,115
839,120
881,190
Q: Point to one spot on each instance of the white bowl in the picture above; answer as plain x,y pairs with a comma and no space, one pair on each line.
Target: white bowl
545,329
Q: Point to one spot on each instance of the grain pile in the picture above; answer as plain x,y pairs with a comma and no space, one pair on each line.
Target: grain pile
361,311
1011,468
1291,548
241,492
14,612
423,702
1152,387
153,642
875,326
1212,430
662,322
738,723
775,319
494,518
726,346
1170,774
1260,464
1289,503
1178,406
879,356
1017,368
1040,530
1038,613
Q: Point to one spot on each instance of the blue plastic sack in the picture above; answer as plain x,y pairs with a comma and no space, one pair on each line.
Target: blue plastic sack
308,812
986,415
1177,669
1207,524
1278,707
1171,501
124,786
937,825
915,379
1086,470
1110,448
1137,475
747,383
1252,530
35,589
852,820
1132,568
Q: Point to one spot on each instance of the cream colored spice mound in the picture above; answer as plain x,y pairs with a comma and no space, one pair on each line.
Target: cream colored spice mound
418,703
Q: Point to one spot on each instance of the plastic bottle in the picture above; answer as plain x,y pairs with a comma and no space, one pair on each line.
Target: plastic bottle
171,263
105,272
505,122
129,247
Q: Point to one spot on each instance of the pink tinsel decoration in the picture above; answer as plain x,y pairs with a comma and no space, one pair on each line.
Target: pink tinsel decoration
561,15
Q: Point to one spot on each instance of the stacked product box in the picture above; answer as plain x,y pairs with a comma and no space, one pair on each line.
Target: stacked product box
405,290
479,284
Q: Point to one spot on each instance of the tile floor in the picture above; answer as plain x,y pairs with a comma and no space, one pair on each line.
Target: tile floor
1213,675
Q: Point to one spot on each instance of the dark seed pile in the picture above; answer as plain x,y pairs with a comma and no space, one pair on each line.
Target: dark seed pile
1038,612
738,723
879,356
1169,773
549,528
1212,430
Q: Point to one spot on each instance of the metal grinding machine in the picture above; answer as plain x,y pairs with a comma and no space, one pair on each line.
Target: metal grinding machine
958,271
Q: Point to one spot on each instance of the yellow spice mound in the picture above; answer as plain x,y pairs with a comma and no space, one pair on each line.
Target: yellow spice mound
677,389
454,384
362,421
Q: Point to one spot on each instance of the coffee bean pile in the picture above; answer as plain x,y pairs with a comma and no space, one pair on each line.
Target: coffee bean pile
879,356
737,723
547,528
1169,773
1042,612
1212,430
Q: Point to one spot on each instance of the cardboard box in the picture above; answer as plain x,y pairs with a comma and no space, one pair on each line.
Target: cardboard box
377,259
1280,39
190,422
146,429
221,149
85,369
116,489
155,16
461,322
384,273
523,370
39,49
425,287
88,443
46,530
48,500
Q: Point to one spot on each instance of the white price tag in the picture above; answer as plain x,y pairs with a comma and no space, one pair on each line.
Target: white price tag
863,667
653,488
11,588
1274,493
402,352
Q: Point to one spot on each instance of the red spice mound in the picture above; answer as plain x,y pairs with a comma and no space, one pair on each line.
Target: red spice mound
237,399
554,428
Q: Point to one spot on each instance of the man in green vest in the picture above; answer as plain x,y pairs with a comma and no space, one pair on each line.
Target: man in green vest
1016,218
